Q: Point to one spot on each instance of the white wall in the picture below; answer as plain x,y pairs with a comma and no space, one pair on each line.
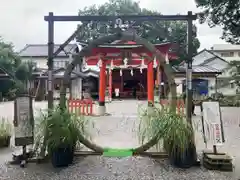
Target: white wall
42,62
227,90
235,57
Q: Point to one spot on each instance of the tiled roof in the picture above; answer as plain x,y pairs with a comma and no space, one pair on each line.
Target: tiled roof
197,69
216,56
41,50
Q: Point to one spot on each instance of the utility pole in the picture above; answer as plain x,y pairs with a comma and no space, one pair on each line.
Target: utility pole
189,93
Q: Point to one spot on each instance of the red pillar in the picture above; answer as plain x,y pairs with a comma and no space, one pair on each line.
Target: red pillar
121,88
150,83
102,84
158,76
110,84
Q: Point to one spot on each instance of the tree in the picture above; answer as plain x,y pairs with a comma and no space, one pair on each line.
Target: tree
155,32
9,60
20,73
225,13
234,70
24,73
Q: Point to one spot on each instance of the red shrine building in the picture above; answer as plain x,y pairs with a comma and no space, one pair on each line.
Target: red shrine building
125,70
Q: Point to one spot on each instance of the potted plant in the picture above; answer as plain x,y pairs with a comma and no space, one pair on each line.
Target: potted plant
178,141
173,130
5,133
63,130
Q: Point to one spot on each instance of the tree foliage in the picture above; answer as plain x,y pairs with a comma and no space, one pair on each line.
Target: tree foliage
235,73
225,13
155,32
9,60
19,72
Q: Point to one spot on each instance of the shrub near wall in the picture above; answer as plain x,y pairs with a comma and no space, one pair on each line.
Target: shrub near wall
224,101
233,101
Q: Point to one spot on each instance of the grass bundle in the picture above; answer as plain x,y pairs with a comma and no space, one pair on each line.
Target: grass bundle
168,126
62,127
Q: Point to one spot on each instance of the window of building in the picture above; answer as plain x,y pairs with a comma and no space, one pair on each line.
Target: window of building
232,85
227,54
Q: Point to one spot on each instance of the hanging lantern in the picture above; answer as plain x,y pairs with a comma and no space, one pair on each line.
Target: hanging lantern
166,59
112,65
131,72
99,64
141,70
155,62
125,61
120,72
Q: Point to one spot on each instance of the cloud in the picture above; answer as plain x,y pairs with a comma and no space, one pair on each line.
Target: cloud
22,20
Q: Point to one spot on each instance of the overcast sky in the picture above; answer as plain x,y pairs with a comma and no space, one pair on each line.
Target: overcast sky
21,21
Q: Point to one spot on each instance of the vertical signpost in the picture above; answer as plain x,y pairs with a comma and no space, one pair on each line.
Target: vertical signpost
23,124
211,119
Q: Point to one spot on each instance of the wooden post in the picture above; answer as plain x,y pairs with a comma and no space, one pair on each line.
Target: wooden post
150,84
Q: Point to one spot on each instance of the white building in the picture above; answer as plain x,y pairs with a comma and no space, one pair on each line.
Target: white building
228,52
38,53
212,59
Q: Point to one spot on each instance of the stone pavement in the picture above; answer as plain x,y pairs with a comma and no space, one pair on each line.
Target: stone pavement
118,131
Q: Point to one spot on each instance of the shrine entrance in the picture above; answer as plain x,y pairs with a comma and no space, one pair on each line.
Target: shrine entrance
150,60
129,68
131,86
151,57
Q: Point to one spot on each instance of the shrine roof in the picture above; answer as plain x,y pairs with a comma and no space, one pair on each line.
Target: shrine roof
129,44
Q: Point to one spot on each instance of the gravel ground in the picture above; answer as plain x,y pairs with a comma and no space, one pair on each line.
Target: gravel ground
116,131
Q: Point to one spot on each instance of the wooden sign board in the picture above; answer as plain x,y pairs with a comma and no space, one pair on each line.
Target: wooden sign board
23,121
212,122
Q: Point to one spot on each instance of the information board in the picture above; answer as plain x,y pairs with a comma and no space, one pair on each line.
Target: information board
23,121
212,122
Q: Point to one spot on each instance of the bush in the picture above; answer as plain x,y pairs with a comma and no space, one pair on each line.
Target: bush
62,127
5,132
176,133
227,100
